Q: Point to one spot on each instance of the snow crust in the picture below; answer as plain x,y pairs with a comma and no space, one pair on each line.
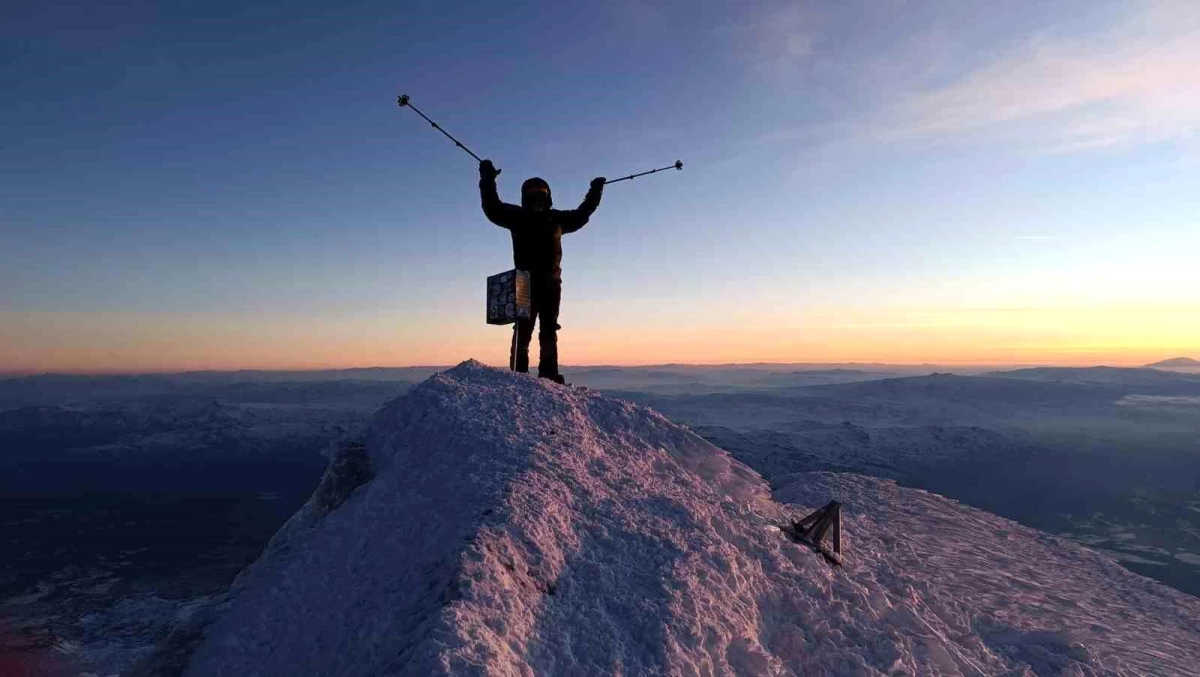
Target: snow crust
967,581
516,527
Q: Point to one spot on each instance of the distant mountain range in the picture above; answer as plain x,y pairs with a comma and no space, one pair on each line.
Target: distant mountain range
1144,379
1176,362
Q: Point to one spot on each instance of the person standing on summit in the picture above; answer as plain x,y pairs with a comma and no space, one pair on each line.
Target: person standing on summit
537,232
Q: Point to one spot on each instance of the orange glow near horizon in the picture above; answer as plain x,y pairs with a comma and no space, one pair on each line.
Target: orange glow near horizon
76,343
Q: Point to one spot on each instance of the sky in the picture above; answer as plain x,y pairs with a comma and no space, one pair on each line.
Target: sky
227,185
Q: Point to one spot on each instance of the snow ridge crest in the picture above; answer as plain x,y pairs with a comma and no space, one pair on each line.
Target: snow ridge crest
486,486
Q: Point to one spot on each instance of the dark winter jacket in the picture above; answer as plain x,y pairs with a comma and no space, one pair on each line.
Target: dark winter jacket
536,236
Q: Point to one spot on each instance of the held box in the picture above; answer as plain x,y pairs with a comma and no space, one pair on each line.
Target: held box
508,297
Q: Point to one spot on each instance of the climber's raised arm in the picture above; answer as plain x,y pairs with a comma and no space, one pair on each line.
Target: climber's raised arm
577,218
496,211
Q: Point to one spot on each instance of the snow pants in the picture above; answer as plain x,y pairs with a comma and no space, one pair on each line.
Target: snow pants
545,297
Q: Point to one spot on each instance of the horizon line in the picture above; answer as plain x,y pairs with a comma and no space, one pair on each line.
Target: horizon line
18,373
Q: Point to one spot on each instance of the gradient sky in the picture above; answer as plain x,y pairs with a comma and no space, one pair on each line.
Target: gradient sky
223,185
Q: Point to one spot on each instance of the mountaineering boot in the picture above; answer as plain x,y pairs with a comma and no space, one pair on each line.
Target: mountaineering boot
548,352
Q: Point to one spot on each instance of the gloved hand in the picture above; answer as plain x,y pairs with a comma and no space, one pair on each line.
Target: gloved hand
598,183
488,171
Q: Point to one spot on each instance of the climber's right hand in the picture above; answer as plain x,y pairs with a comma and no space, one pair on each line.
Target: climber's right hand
488,171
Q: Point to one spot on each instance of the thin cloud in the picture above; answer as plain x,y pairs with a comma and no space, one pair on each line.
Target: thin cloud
773,37
786,34
637,15
1129,83
1134,83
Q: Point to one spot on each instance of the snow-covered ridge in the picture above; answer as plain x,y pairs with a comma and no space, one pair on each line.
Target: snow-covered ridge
508,526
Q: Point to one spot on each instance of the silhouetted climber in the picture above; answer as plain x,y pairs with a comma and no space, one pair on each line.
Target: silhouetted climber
537,232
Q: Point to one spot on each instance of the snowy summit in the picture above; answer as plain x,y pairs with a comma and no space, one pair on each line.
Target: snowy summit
495,524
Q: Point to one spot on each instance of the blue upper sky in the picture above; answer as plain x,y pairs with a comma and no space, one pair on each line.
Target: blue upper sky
216,184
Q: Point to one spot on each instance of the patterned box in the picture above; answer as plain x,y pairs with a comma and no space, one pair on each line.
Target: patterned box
508,297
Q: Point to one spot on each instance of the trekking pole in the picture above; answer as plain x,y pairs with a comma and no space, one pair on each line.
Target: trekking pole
678,165
404,102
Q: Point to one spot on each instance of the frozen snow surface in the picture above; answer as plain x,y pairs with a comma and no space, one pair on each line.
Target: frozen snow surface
516,527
